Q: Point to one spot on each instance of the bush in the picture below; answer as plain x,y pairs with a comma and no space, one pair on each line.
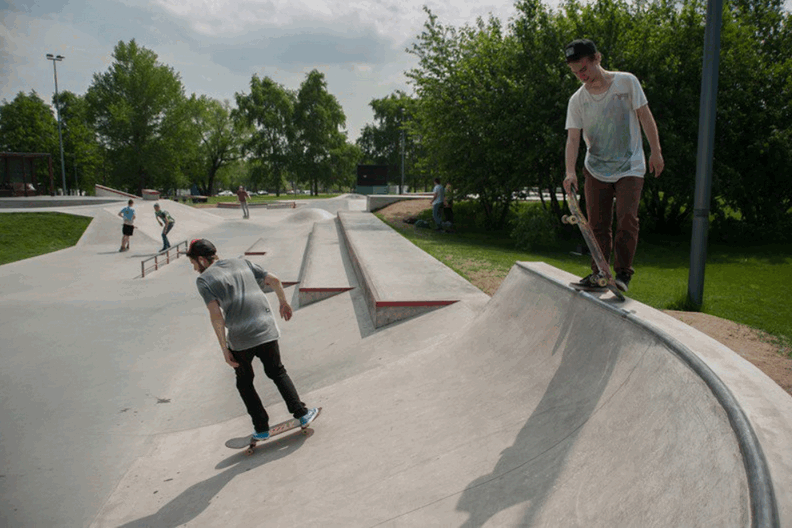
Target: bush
534,227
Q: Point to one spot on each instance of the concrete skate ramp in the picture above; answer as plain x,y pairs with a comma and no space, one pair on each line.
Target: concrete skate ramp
548,408
105,229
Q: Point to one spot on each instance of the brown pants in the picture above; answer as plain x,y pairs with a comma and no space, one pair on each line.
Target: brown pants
599,206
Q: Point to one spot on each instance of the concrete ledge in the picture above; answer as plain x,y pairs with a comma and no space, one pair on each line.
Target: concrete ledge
399,280
378,201
105,192
34,202
257,248
260,205
323,274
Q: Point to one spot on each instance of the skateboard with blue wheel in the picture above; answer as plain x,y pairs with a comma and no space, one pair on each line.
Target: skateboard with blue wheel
248,443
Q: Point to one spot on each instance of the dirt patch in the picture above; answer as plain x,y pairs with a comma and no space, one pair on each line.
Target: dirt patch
754,345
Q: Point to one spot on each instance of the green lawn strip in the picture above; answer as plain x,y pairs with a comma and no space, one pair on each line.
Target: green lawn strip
748,285
25,235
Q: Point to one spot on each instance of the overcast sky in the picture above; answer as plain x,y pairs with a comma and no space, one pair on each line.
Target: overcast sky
217,45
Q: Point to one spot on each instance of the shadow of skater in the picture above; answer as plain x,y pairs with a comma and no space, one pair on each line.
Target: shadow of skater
528,470
194,500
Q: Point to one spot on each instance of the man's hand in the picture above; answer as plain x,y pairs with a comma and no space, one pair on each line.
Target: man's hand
656,163
570,183
285,311
229,358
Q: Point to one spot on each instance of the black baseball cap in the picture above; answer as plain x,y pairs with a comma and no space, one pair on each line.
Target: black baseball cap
578,49
200,247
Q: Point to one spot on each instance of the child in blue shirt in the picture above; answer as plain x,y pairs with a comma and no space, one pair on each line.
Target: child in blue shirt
128,214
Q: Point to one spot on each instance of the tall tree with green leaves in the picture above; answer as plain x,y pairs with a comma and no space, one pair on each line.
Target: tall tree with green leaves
141,115
221,139
81,150
318,120
27,124
382,142
470,113
268,111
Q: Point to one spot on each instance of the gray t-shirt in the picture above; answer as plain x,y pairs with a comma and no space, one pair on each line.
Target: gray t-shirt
237,285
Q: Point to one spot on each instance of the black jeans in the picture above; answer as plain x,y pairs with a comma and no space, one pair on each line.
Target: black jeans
269,354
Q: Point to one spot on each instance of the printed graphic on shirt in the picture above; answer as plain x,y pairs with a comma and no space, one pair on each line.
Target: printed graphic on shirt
610,128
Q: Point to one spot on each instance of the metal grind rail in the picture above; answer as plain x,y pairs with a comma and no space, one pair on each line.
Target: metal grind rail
164,258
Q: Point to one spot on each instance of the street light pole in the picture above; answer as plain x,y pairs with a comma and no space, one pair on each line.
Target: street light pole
55,59
401,189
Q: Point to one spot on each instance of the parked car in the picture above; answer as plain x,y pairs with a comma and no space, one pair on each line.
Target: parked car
225,193
262,193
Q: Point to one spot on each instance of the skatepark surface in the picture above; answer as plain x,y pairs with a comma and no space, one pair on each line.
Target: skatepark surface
540,406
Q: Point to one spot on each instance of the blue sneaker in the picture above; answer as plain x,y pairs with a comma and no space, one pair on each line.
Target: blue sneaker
309,417
260,437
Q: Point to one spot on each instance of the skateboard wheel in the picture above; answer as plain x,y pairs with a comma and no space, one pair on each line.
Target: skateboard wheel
249,451
572,220
565,219
602,282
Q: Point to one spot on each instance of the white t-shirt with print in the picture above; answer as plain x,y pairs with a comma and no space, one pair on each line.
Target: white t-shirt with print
611,129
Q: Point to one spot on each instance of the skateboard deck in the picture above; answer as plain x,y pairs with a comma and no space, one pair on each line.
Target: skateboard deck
249,444
577,218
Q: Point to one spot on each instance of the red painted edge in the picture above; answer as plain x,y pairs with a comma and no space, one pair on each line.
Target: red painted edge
323,290
396,304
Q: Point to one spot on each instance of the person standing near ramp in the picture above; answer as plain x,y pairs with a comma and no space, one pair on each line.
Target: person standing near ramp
609,111
233,292
243,196
128,229
166,221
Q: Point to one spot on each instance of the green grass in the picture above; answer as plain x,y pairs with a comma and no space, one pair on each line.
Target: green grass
25,235
748,284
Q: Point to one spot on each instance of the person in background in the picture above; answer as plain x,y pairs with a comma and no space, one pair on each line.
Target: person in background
166,221
243,196
438,197
128,229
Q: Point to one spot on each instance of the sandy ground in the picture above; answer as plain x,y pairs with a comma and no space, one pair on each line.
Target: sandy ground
753,345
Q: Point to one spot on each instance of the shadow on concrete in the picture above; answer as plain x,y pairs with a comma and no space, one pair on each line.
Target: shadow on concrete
193,501
528,471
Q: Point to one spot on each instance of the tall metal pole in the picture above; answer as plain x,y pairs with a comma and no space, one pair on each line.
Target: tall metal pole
55,59
401,189
706,146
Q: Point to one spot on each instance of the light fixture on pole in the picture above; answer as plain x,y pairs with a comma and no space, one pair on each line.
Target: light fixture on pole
55,59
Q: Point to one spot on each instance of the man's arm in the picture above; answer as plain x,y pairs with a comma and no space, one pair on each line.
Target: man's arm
572,147
218,323
273,282
656,162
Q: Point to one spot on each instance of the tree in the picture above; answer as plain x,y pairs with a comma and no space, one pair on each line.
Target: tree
221,139
141,115
470,112
318,118
268,111
82,152
28,125
381,142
